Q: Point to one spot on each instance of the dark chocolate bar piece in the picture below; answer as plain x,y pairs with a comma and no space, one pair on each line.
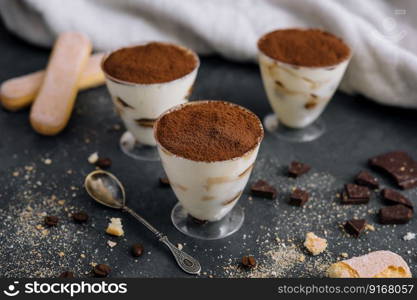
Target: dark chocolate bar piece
347,200
400,166
297,168
366,179
261,188
394,197
355,191
355,227
396,214
299,197
355,194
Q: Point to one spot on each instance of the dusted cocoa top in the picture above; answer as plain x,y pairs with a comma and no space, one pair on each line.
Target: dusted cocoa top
150,63
209,131
304,47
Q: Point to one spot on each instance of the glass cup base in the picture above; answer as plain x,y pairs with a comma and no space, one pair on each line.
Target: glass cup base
136,150
209,230
298,135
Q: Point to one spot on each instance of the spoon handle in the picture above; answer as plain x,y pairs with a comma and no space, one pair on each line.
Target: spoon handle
186,262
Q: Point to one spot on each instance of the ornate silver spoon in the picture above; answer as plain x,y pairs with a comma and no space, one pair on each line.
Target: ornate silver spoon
106,189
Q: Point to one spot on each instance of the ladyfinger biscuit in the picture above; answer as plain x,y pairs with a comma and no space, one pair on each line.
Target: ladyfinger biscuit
19,92
378,264
54,103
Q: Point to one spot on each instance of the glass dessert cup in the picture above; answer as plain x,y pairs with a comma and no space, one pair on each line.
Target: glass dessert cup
207,191
298,95
140,104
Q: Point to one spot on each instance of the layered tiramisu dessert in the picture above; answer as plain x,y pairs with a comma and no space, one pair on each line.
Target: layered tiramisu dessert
144,81
301,69
208,150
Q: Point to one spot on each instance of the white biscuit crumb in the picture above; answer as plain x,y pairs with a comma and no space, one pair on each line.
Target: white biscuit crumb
115,227
92,159
409,236
111,244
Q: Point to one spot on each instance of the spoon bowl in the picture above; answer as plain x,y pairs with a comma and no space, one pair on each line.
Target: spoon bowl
106,189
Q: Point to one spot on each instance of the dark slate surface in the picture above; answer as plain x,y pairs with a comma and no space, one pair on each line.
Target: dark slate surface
357,130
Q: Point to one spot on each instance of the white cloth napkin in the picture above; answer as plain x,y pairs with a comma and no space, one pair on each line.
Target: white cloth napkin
383,34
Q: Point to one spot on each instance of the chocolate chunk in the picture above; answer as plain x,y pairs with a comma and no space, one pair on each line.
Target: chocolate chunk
101,270
137,250
164,181
355,227
396,214
366,179
67,274
51,220
248,261
103,162
80,217
400,166
394,197
197,221
298,197
297,168
262,188
355,191
347,200
355,194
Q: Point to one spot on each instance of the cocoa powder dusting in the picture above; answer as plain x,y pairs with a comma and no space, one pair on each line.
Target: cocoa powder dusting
209,131
304,47
151,63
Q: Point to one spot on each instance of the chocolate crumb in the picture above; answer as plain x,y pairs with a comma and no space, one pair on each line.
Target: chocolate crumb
51,220
103,162
101,270
137,250
80,217
248,261
67,274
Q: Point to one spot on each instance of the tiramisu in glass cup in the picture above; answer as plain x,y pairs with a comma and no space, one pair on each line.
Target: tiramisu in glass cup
144,81
301,70
208,150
